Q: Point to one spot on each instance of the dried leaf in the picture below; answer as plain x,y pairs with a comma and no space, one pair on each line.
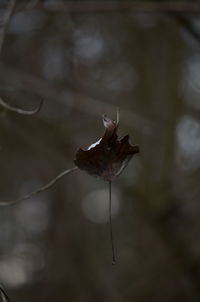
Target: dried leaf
109,156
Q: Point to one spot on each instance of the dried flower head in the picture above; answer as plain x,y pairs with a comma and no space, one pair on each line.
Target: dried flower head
108,157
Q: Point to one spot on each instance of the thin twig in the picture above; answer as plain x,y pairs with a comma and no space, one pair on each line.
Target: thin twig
19,110
117,115
3,295
37,191
110,223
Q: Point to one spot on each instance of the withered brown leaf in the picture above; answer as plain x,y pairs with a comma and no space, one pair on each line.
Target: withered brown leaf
108,157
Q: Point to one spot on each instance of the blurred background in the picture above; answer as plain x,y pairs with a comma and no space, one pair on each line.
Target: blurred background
85,59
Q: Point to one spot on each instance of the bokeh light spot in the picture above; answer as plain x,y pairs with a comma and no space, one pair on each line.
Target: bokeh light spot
96,205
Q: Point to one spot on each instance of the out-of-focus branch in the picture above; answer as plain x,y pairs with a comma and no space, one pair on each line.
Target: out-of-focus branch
87,105
31,4
5,21
175,8
120,6
187,25
3,295
37,191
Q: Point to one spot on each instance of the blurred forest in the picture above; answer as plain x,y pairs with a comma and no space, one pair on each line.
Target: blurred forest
86,59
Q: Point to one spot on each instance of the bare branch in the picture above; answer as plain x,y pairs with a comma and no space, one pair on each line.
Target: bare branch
37,191
20,111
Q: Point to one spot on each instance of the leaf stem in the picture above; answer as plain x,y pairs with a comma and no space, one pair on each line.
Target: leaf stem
110,223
